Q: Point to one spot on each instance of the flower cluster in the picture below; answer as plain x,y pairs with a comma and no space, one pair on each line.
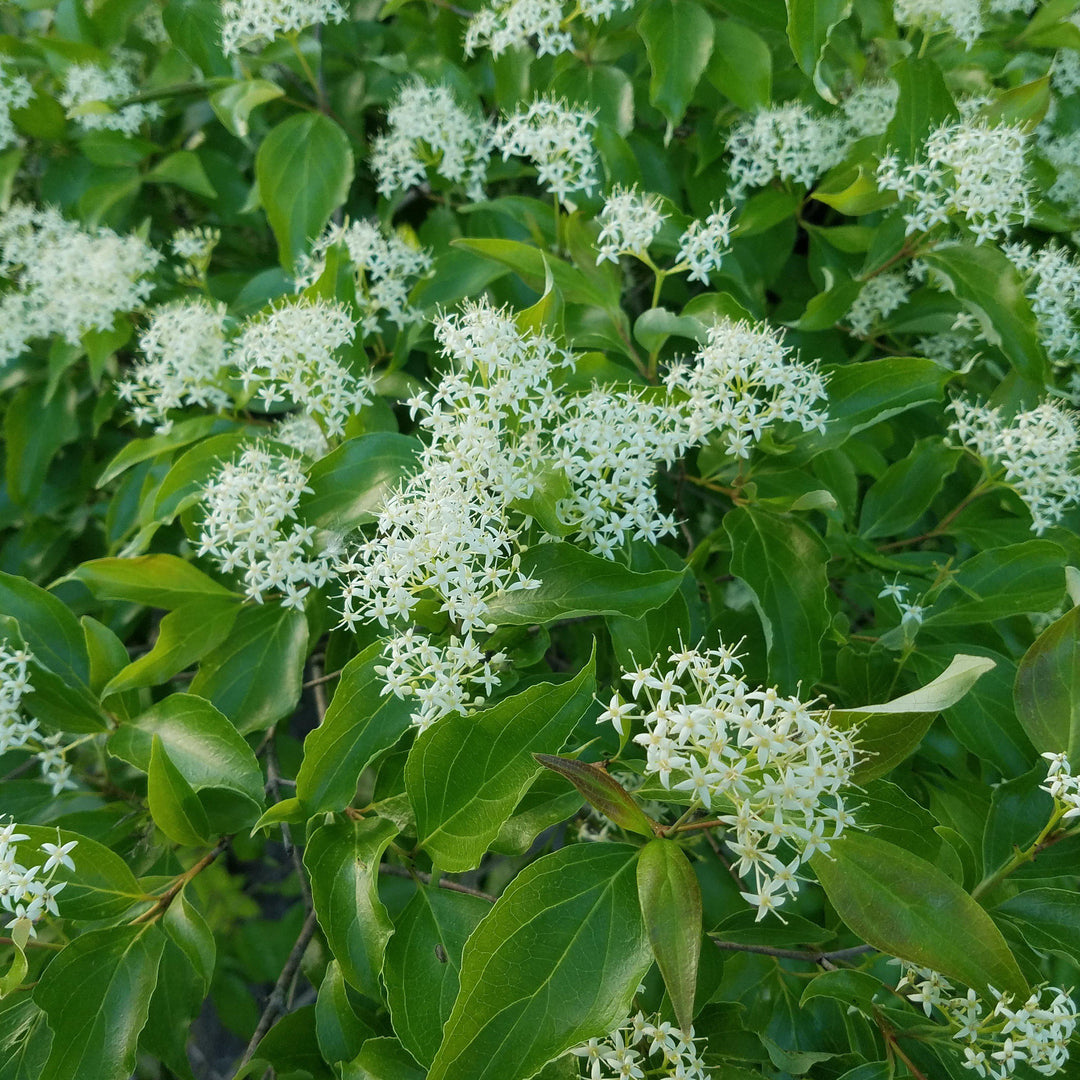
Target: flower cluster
302,433
911,614
970,168
250,22
19,731
386,269
195,247
705,243
89,89
250,525
629,223
520,22
793,142
962,18
769,768
878,299
427,128
996,1040
1036,453
558,140
183,353
1062,785
28,892
65,279
641,1044
441,679
288,355
1053,287
15,93
742,380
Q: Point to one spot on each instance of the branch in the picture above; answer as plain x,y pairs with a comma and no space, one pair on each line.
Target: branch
161,905
795,954
275,1004
443,883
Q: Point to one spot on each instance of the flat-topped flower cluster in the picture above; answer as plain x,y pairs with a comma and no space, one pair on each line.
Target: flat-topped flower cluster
641,1046
29,892
772,770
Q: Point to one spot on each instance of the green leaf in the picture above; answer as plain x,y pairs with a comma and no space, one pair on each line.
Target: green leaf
100,887
50,630
810,22
13,978
183,433
194,27
256,676
994,584
556,962
465,774
36,426
906,907
783,562
185,635
304,169
174,806
382,1059
162,581
341,1033
888,733
233,104
423,961
1049,920
206,749
601,791
360,723
348,486
907,488
986,282
923,103
342,861
96,995
1022,106
671,907
861,395
574,583
678,36
185,170
741,65
1047,691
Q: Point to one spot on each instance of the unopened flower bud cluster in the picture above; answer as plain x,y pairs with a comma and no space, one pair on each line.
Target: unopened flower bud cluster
65,279
386,269
90,89
183,353
250,527
255,22
15,93
287,357
793,142
441,679
195,247
642,1046
427,128
1062,785
969,168
996,1040
21,732
29,892
1036,453
770,770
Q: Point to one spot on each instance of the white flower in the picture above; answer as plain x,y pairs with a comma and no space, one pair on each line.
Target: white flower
705,243
29,892
15,93
962,18
426,128
387,267
301,432
773,766
629,223
253,22
1035,452
65,279
558,140
251,525
183,354
641,1043
90,91
1062,785
1053,287
970,168
878,298
288,355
